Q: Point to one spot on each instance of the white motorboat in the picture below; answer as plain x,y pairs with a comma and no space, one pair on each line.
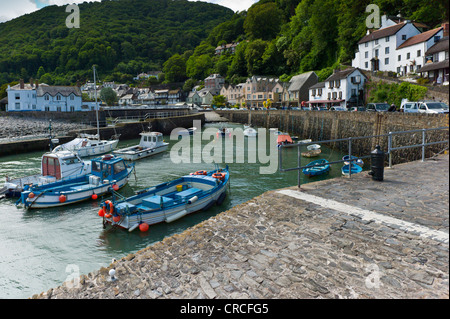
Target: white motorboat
151,143
88,145
250,132
54,167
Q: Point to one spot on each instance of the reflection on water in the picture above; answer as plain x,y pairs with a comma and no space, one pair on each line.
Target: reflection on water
40,248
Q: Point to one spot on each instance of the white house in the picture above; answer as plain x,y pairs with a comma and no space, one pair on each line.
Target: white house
436,66
194,98
42,97
342,88
377,50
411,53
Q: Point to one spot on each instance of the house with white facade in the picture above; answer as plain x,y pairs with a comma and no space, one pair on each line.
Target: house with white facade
42,97
343,88
377,50
258,89
233,93
411,53
436,66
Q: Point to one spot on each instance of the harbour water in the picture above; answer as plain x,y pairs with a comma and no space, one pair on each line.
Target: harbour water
44,247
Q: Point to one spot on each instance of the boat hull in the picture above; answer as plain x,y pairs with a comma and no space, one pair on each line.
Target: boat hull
317,170
168,213
355,169
130,154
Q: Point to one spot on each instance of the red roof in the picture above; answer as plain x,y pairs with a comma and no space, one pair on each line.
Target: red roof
421,37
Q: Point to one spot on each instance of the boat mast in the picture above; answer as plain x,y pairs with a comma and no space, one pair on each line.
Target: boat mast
96,104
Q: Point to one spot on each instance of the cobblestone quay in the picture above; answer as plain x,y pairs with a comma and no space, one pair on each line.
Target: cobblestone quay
339,238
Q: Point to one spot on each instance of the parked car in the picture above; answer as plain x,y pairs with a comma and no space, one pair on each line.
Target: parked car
358,109
433,107
377,107
338,108
410,107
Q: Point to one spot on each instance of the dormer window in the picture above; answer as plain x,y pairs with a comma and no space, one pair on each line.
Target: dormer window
46,97
72,97
58,97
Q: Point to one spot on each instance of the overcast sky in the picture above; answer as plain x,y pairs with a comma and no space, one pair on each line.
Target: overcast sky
10,9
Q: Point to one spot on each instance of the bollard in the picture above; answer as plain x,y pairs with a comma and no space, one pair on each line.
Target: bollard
377,164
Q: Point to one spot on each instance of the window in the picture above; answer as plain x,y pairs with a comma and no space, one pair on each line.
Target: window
353,92
418,67
58,97
329,95
340,95
403,36
408,55
376,52
366,65
17,96
334,95
386,50
119,167
399,57
376,41
386,61
366,44
411,68
399,69
320,92
72,97
366,54
387,39
313,92
418,53
96,167
17,106
58,109
46,97
337,83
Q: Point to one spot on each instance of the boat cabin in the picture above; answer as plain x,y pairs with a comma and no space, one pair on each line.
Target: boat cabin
60,165
150,139
108,167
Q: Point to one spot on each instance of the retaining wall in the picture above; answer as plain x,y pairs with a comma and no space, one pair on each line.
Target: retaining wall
126,130
326,125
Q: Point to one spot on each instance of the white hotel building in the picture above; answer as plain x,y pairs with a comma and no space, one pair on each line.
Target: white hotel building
42,97
396,47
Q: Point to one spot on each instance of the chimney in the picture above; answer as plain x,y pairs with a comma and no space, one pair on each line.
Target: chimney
37,84
22,84
445,26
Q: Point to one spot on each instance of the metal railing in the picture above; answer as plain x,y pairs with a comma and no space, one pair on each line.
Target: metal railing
353,158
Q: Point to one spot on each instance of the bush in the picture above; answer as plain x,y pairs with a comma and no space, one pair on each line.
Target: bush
423,81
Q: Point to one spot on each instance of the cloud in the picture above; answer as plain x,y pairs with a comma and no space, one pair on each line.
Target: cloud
13,9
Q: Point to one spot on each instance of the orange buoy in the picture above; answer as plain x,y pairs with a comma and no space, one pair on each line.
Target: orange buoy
94,196
108,215
143,227
116,187
101,213
62,198
31,195
116,218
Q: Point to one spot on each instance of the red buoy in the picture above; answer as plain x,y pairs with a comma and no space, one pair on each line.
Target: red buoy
116,187
94,196
143,227
31,195
101,213
108,215
62,198
116,218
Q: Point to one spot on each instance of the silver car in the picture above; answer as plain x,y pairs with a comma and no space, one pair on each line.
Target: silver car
410,107
433,107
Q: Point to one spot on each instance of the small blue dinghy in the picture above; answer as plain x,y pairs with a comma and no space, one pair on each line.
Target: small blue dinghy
354,159
355,169
321,168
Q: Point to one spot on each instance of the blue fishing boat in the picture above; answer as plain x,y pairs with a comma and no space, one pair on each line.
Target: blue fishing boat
167,202
355,169
107,172
354,159
313,170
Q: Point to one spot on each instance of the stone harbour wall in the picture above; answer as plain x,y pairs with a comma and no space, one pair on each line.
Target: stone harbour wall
325,125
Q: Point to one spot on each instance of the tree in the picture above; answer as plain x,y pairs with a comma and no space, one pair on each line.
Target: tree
40,72
263,21
175,69
108,95
219,100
